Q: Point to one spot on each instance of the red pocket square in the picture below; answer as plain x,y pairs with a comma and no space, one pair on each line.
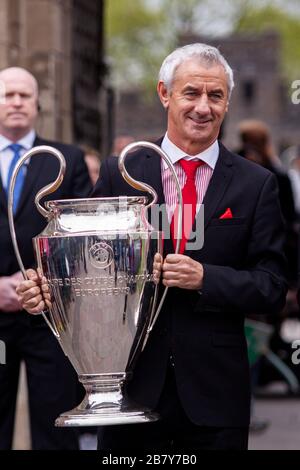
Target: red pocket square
227,214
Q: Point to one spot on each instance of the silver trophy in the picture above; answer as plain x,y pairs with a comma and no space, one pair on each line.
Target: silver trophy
97,255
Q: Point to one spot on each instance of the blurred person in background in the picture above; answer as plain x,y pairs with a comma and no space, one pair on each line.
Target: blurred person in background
257,146
120,143
93,162
294,175
52,382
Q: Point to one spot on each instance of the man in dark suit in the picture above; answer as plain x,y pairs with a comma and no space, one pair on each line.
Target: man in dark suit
51,380
194,369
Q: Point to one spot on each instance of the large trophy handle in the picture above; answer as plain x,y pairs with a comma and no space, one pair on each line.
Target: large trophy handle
50,188
140,186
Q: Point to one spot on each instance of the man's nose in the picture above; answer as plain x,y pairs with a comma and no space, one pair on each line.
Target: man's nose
202,105
17,100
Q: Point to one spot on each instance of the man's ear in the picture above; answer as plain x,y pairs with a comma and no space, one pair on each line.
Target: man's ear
163,94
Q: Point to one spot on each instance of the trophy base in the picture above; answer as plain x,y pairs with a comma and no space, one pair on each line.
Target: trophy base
105,405
104,417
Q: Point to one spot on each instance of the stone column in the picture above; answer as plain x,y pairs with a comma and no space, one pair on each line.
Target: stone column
36,34
46,40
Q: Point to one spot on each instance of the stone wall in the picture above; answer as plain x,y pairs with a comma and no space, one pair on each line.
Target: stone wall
138,116
48,38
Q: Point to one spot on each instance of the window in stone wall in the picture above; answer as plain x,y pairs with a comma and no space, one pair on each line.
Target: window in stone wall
249,91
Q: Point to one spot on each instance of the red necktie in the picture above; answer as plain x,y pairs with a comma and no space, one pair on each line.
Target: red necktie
189,200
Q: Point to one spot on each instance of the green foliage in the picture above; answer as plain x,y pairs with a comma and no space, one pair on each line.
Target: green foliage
139,37
287,25
134,38
140,34
183,17
128,18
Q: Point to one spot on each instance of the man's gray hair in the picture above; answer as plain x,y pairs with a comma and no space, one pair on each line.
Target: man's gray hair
206,54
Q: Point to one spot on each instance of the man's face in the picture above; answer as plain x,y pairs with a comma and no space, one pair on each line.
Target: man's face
196,105
18,106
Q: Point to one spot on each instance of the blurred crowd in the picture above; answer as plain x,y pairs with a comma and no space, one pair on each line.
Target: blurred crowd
270,338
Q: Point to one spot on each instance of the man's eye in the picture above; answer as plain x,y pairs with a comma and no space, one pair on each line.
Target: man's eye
216,96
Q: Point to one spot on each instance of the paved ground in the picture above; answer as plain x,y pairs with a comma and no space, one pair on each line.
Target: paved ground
283,432
22,434
283,414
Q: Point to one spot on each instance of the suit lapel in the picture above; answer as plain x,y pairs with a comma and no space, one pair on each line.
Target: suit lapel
218,184
3,196
33,171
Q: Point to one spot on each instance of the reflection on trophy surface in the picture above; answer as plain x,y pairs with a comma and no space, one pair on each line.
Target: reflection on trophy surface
97,256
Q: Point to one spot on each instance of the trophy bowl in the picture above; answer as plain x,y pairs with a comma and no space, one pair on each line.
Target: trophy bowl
97,256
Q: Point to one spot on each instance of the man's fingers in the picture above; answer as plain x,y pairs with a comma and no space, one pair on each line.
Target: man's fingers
157,262
157,266
171,275
24,286
32,275
171,267
37,309
47,296
31,294
172,258
170,283
34,292
45,288
158,258
33,302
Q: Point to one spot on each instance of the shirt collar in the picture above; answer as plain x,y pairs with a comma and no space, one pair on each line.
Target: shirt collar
209,156
26,141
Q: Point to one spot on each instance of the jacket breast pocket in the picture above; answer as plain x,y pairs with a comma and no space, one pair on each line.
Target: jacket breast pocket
227,222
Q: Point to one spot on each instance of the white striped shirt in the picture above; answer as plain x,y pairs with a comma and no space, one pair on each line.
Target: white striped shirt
203,173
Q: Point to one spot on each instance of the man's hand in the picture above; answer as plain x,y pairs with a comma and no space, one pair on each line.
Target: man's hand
34,294
182,271
9,301
157,267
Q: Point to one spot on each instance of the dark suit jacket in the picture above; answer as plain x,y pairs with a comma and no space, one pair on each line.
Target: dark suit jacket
244,271
42,170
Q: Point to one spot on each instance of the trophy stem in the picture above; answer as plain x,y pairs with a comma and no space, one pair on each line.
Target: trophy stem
104,404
